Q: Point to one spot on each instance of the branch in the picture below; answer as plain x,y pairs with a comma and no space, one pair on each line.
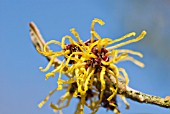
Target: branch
142,97
123,89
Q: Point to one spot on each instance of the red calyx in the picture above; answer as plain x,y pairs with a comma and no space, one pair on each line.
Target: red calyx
68,47
106,58
104,50
95,50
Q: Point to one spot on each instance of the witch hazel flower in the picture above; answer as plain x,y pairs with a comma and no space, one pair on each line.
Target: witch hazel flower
92,68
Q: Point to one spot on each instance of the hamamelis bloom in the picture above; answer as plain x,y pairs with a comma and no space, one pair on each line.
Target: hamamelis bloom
93,68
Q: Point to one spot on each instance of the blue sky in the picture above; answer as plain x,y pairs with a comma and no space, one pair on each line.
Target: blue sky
23,86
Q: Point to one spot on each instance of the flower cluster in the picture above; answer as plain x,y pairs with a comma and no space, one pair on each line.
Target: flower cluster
92,65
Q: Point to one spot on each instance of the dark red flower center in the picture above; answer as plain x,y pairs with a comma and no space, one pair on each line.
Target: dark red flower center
94,62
